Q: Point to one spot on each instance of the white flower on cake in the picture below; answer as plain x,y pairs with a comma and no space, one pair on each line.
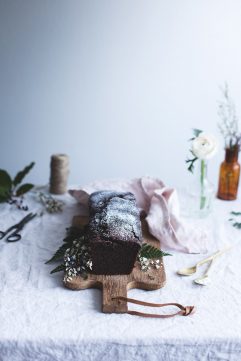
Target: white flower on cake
204,146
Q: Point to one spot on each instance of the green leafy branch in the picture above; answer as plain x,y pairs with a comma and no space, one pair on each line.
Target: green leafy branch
11,188
150,252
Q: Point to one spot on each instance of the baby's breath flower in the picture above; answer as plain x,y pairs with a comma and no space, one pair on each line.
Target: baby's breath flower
228,124
77,260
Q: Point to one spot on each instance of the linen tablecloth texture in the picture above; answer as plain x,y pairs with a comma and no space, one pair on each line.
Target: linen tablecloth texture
41,320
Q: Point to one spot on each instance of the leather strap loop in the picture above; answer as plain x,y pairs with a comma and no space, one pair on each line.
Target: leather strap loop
184,310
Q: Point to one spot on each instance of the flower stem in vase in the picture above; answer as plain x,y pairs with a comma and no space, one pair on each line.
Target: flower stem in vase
202,179
201,194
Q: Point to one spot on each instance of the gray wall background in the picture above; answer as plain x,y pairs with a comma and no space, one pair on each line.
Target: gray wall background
116,84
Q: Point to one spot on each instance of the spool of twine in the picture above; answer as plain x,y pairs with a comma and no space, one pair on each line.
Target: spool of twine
59,171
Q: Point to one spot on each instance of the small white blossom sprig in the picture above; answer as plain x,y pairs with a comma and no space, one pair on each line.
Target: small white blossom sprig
147,264
149,257
203,147
228,124
51,204
77,261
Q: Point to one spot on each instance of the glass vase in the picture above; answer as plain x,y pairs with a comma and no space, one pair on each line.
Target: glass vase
229,175
198,198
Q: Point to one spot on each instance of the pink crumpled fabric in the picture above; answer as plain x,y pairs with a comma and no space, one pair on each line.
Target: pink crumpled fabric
161,206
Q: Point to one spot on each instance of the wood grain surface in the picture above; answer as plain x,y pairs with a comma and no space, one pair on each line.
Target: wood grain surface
118,285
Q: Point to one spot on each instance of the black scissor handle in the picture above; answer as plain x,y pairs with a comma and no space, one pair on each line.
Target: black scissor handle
14,237
2,234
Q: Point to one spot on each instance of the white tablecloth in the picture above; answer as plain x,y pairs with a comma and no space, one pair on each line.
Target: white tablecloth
41,320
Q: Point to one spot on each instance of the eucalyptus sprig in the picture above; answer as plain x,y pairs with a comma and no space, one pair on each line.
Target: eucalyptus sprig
12,189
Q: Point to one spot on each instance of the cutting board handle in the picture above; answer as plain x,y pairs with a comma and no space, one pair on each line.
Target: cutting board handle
114,286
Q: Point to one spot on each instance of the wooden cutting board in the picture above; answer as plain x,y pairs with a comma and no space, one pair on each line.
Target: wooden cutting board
118,285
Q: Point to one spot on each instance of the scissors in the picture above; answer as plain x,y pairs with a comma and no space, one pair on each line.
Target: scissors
15,236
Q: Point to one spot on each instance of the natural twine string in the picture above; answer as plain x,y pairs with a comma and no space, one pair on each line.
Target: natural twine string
59,171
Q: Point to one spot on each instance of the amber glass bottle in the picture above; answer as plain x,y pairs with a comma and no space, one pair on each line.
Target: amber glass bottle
229,175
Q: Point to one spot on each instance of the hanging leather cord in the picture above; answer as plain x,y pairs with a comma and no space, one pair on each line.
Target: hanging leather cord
184,310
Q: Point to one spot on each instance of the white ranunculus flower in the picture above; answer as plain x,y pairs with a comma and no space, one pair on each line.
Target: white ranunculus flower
204,146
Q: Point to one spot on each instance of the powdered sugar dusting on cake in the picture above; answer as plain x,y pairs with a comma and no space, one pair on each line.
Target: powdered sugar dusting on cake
115,216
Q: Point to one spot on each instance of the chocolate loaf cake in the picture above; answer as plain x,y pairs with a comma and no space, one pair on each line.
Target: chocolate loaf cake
114,232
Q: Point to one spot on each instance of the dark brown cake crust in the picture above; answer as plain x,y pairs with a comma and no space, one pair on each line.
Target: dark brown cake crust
114,232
